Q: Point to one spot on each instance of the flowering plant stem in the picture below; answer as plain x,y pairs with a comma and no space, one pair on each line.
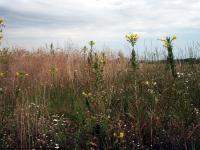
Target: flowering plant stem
171,62
167,43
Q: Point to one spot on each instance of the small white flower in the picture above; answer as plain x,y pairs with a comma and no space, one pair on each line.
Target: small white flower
33,104
196,110
55,120
57,146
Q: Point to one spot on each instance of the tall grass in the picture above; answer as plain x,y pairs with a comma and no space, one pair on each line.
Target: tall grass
59,99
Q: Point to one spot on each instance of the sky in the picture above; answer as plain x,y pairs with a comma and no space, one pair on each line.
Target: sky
32,23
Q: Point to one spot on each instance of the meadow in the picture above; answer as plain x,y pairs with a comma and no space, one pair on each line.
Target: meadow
82,99
62,100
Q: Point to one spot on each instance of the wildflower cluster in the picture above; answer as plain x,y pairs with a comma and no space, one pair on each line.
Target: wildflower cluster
150,83
132,38
96,62
168,41
98,65
120,135
21,75
151,89
87,94
180,74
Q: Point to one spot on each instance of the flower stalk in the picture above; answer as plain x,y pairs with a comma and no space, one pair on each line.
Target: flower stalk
167,43
132,39
1,29
90,57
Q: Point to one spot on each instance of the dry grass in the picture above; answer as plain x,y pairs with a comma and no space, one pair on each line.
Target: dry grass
46,108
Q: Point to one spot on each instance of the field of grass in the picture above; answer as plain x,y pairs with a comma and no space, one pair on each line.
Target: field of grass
86,100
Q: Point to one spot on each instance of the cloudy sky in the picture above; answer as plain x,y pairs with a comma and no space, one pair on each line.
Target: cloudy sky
31,23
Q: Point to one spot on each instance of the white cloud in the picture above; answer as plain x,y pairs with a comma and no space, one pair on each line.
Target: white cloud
102,20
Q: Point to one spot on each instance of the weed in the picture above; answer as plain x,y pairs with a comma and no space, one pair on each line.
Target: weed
170,58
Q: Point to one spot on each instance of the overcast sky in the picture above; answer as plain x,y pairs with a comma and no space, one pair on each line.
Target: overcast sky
36,22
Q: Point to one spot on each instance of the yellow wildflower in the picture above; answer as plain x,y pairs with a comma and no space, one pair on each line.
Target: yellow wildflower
1,25
1,21
174,38
53,70
114,134
167,41
21,74
17,74
2,74
84,94
121,135
87,94
162,39
132,38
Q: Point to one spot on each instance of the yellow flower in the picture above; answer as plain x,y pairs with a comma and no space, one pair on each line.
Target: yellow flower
87,94
17,74
167,41
21,74
53,70
2,74
162,39
174,38
101,61
132,38
1,21
121,135
84,94
114,134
